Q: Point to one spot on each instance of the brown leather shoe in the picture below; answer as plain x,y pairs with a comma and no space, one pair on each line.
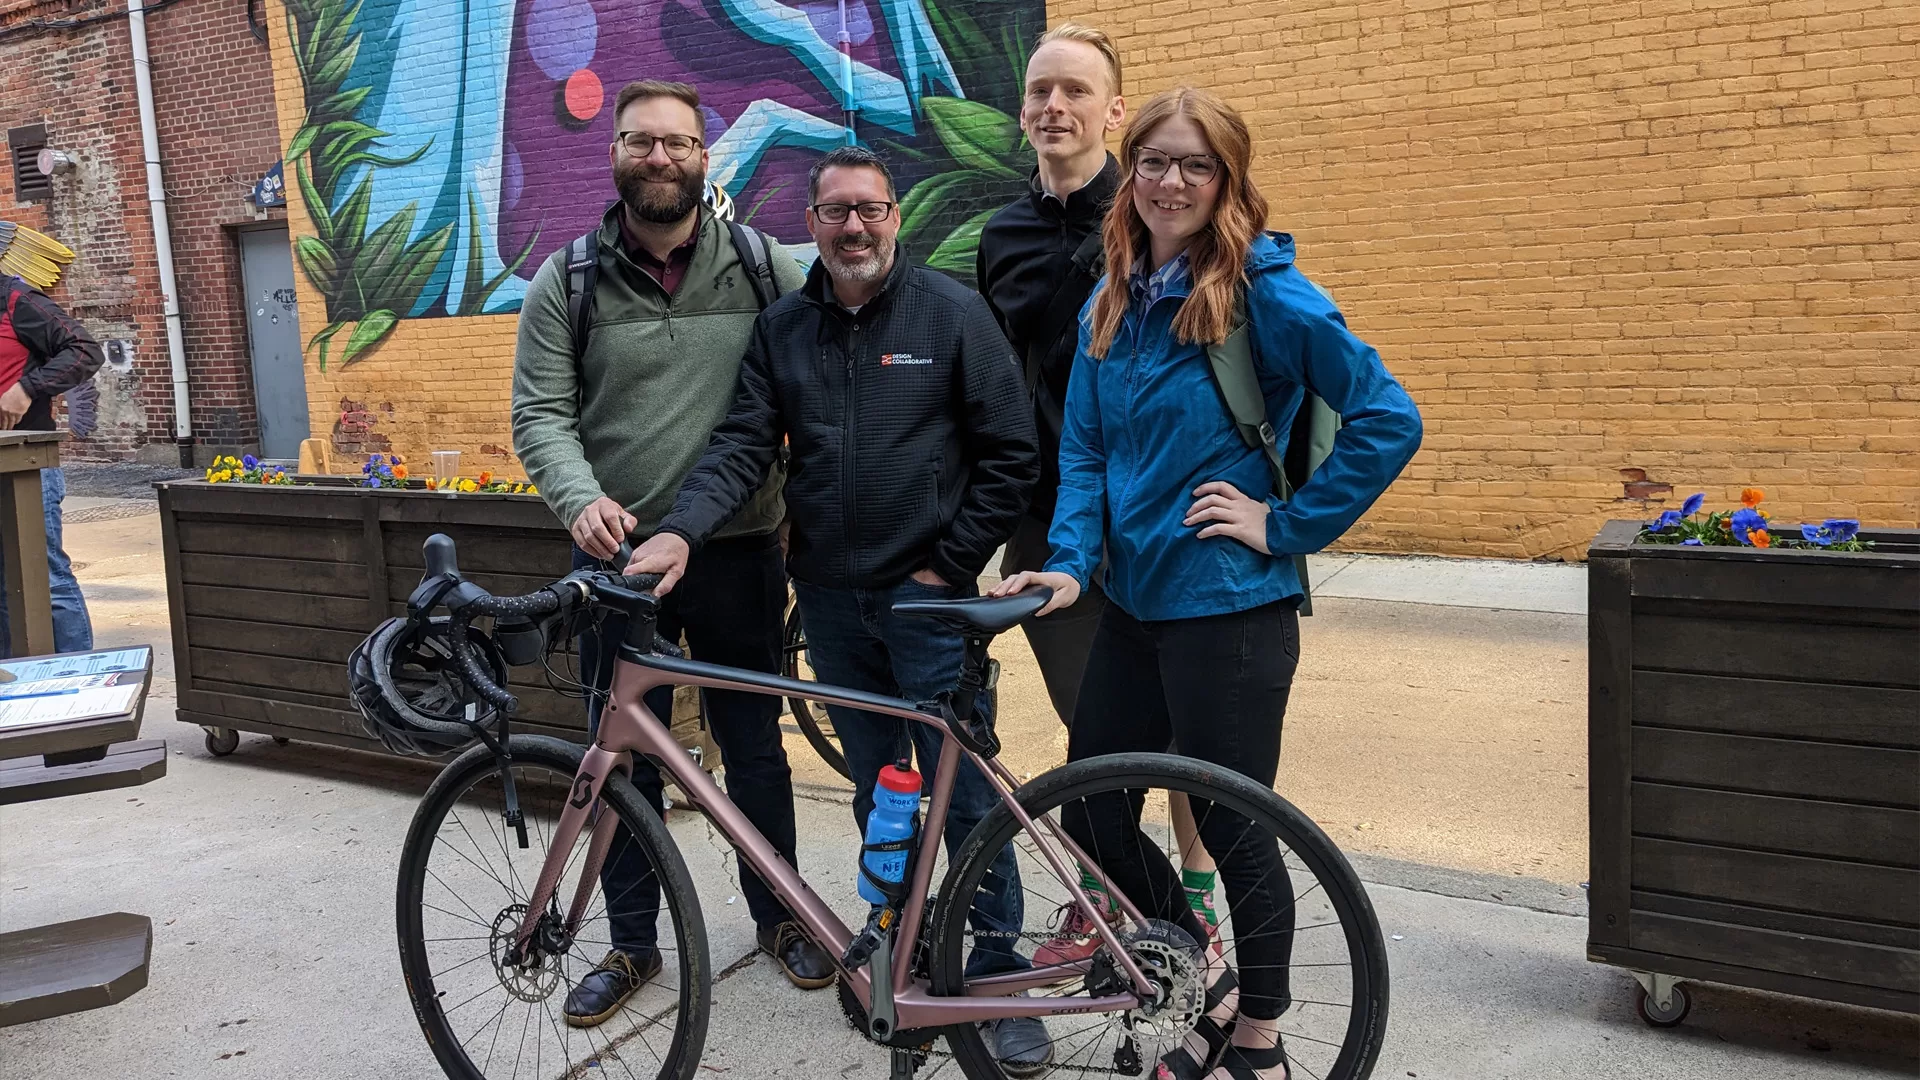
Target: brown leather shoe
600,993
806,965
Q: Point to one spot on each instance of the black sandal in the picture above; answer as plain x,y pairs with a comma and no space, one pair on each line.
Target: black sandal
1178,1063
1245,1062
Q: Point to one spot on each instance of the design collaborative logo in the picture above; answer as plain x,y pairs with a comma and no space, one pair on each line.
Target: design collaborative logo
903,359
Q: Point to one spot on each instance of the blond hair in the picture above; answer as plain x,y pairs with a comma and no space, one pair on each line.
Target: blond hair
1217,258
1087,35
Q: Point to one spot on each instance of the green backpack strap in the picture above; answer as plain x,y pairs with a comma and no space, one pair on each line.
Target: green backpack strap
1309,442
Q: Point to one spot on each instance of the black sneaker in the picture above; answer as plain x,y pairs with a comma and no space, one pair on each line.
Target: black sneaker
607,987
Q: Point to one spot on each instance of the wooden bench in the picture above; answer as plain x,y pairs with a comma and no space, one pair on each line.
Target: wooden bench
127,764
73,966
23,536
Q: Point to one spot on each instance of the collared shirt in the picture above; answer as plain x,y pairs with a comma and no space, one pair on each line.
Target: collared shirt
1146,288
667,272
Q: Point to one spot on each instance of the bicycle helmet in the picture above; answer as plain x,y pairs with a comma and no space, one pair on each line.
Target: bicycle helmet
406,685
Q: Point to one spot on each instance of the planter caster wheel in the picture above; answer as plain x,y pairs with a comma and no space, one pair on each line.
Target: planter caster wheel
281,740
1647,995
222,741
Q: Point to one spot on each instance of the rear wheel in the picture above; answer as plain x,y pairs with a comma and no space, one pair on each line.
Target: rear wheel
1335,966
464,887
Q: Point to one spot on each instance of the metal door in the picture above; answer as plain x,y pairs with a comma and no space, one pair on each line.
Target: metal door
273,329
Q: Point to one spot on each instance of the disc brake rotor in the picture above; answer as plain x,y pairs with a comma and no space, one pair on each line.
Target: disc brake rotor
533,982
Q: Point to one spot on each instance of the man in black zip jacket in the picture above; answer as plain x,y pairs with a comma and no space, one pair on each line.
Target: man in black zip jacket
1038,261
912,457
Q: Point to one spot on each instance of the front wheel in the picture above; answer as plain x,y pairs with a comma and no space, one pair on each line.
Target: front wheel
465,882
1312,923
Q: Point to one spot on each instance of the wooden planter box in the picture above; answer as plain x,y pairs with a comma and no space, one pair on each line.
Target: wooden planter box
1754,762
272,587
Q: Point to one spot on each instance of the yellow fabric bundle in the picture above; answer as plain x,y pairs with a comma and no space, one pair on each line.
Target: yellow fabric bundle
34,257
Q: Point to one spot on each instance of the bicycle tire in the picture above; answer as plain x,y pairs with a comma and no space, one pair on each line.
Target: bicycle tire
677,897
1366,1028
793,642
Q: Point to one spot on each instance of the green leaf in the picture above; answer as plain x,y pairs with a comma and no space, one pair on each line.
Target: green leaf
350,221
379,258
367,158
978,136
373,329
302,139
476,268
416,267
316,206
956,253
323,337
494,282
345,103
929,199
317,260
334,71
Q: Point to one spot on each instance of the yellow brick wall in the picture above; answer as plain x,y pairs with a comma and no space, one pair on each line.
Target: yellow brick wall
1667,235
1678,236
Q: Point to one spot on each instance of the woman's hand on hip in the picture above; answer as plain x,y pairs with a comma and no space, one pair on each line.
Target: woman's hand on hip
1226,512
1065,589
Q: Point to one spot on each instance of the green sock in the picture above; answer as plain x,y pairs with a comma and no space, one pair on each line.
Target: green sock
1199,886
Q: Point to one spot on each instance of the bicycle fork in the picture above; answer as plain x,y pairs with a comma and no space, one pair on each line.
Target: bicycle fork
583,811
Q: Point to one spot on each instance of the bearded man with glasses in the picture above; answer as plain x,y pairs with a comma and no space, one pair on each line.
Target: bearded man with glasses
913,456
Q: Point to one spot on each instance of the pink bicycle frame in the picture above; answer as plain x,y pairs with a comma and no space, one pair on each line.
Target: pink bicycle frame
628,726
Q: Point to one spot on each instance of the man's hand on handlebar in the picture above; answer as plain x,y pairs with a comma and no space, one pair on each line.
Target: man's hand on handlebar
601,527
1065,589
664,554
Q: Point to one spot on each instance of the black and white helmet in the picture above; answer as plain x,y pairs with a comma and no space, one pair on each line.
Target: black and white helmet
405,681
719,201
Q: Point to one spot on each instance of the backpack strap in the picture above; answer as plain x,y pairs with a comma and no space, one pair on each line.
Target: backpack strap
1238,381
1066,305
583,275
755,256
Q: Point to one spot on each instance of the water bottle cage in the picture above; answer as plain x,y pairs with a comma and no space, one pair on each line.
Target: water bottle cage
894,891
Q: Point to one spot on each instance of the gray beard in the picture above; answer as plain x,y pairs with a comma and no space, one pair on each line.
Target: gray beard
863,273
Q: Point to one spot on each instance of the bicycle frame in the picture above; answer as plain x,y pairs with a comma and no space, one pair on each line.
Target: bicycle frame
627,726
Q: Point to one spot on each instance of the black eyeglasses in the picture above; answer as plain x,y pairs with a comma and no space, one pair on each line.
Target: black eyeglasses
639,144
1198,170
835,213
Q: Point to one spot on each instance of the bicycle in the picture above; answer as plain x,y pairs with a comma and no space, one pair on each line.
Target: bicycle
904,979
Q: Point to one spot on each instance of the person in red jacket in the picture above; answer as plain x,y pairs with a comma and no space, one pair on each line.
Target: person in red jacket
44,353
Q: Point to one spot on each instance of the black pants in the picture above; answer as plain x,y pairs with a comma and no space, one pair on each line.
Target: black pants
730,604
1217,686
1062,640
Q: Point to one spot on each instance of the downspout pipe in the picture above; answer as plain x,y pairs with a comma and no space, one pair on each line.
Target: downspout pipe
162,234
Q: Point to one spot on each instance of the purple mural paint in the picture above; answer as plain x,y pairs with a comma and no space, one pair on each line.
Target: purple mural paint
566,184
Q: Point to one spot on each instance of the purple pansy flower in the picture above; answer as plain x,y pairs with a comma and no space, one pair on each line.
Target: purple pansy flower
1693,504
1744,521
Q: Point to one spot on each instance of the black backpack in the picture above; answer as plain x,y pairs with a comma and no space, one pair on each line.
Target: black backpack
583,274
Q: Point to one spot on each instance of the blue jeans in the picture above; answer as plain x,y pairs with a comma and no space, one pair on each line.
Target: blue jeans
72,627
855,640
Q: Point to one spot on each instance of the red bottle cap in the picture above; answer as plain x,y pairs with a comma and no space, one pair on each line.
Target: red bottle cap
895,778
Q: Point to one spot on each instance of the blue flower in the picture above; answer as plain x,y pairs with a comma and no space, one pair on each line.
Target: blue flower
1693,541
1668,520
249,461
1746,520
1842,528
1693,504
1816,534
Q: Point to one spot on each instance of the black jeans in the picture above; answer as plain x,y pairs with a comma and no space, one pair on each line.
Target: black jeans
1217,686
730,604
1062,640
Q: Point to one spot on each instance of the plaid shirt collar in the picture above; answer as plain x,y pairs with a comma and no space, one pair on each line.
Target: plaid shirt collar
1147,288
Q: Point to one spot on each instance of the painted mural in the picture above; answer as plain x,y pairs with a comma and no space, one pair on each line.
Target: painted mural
449,146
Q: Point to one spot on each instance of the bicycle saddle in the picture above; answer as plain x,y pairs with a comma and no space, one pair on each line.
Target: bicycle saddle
986,614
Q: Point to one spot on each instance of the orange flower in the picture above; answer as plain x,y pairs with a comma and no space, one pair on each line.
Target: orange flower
1760,538
1750,497
431,484
399,472
486,478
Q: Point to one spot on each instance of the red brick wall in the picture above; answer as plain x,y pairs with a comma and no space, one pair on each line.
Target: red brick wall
213,95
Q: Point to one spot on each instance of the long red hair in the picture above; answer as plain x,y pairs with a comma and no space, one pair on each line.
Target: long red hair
1218,255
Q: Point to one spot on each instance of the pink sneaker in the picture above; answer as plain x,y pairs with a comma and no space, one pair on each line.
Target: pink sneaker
1074,941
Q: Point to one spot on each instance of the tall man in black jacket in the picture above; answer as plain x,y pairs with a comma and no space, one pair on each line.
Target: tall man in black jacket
912,458
1028,272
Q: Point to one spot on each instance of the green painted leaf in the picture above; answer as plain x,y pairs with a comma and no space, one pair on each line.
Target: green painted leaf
978,136
345,103
317,260
335,68
323,337
955,255
372,330
926,199
350,221
378,261
316,206
302,139
416,266
476,267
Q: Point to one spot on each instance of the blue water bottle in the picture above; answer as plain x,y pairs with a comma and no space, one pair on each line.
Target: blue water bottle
896,803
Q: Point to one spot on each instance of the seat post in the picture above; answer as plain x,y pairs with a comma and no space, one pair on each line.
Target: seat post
978,674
